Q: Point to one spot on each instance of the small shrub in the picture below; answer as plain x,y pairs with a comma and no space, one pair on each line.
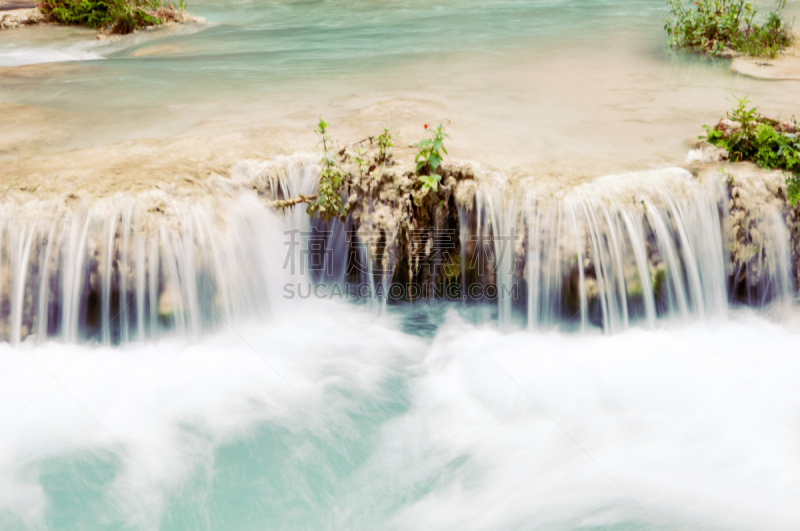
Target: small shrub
328,203
429,158
119,16
721,26
769,143
384,146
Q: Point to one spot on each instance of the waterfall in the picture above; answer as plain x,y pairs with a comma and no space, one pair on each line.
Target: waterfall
622,249
615,252
101,272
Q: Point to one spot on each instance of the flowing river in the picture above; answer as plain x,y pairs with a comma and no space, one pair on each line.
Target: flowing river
177,361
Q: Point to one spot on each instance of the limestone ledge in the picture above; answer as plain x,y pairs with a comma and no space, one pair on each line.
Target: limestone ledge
754,194
15,18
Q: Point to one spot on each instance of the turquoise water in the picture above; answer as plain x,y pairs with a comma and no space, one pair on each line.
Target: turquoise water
250,47
331,417
560,81
335,416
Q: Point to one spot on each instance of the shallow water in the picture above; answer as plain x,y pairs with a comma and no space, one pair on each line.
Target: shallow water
333,417
561,88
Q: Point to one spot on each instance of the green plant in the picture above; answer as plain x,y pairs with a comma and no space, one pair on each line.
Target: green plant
384,146
737,141
793,189
120,16
361,162
429,157
720,26
430,182
769,143
328,203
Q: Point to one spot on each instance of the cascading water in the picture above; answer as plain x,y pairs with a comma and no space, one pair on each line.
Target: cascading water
618,354
616,251
296,409
103,272
621,249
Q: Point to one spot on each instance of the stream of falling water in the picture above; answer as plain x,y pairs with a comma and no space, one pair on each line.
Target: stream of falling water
156,374
618,251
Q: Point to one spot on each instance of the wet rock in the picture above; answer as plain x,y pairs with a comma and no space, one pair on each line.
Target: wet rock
166,307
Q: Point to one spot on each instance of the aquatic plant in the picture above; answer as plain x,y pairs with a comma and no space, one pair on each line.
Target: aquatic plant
772,144
429,158
725,27
115,16
328,202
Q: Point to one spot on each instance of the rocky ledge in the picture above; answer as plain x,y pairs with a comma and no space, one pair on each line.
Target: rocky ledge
14,18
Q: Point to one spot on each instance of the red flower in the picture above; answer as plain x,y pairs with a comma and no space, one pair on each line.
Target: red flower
426,126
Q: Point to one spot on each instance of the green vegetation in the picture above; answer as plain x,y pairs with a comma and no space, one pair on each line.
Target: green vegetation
719,27
328,203
346,169
361,162
772,144
430,157
384,146
402,205
115,16
430,182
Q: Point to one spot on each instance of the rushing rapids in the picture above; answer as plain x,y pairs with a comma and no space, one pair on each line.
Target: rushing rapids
612,252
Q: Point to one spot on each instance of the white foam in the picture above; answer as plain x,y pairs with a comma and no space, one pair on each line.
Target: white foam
29,56
691,427
27,53
162,408
687,428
